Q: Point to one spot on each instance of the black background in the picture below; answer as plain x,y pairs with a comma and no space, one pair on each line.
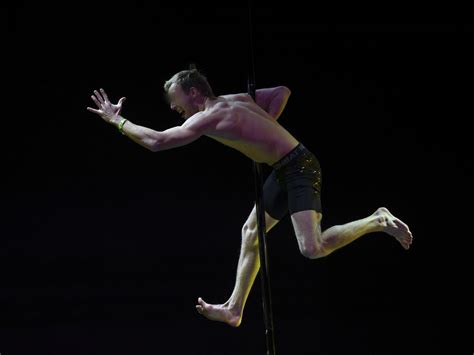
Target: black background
106,246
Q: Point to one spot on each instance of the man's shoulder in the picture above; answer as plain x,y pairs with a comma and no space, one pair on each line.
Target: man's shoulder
201,121
237,97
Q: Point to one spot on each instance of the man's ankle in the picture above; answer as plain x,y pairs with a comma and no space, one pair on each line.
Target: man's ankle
235,308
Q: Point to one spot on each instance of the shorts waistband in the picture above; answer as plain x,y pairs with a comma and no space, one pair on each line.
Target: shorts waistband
296,151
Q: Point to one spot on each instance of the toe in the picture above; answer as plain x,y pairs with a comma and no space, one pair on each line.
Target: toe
203,304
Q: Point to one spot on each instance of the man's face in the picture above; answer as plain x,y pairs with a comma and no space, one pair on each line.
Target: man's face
181,102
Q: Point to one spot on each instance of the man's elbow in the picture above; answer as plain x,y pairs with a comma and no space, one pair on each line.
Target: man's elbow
285,91
154,147
156,142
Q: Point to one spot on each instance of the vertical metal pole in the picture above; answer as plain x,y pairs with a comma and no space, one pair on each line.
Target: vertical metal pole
264,267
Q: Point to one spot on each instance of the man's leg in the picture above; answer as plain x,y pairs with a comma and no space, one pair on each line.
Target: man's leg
314,244
248,266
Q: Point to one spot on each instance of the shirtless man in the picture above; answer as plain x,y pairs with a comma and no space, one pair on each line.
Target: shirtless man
294,186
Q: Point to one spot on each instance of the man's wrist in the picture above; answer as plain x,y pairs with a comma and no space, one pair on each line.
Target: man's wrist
115,121
121,124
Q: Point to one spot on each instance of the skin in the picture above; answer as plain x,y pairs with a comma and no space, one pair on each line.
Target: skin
236,121
250,127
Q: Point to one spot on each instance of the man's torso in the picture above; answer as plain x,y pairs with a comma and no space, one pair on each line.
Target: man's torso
238,122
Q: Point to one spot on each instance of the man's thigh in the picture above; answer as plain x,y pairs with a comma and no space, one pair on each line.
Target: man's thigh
275,197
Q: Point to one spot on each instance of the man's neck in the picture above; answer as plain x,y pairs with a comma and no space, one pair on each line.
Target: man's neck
208,103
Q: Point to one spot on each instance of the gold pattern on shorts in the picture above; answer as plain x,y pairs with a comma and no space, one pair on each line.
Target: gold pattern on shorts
308,164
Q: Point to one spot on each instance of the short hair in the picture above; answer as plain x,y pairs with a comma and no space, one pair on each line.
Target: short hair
190,78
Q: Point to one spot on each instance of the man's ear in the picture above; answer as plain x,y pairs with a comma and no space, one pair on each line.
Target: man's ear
193,92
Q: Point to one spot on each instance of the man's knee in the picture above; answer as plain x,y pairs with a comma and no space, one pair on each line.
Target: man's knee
249,236
312,251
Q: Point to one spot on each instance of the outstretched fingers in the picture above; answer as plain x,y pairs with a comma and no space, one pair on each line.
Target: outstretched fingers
98,101
93,110
119,105
99,105
106,98
98,96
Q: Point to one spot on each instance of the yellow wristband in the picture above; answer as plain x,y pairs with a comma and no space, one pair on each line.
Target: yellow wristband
120,126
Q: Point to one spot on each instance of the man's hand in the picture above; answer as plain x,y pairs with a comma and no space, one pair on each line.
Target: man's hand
109,112
273,100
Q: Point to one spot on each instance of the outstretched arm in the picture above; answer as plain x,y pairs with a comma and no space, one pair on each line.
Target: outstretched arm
146,137
273,100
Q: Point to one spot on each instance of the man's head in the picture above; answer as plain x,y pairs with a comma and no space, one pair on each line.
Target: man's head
187,91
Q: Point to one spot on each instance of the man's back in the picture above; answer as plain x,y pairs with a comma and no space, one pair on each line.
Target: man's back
240,123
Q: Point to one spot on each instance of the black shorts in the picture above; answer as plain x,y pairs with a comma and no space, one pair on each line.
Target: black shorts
294,184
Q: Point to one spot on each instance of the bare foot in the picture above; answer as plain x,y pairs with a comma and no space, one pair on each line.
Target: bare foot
220,312
393,226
